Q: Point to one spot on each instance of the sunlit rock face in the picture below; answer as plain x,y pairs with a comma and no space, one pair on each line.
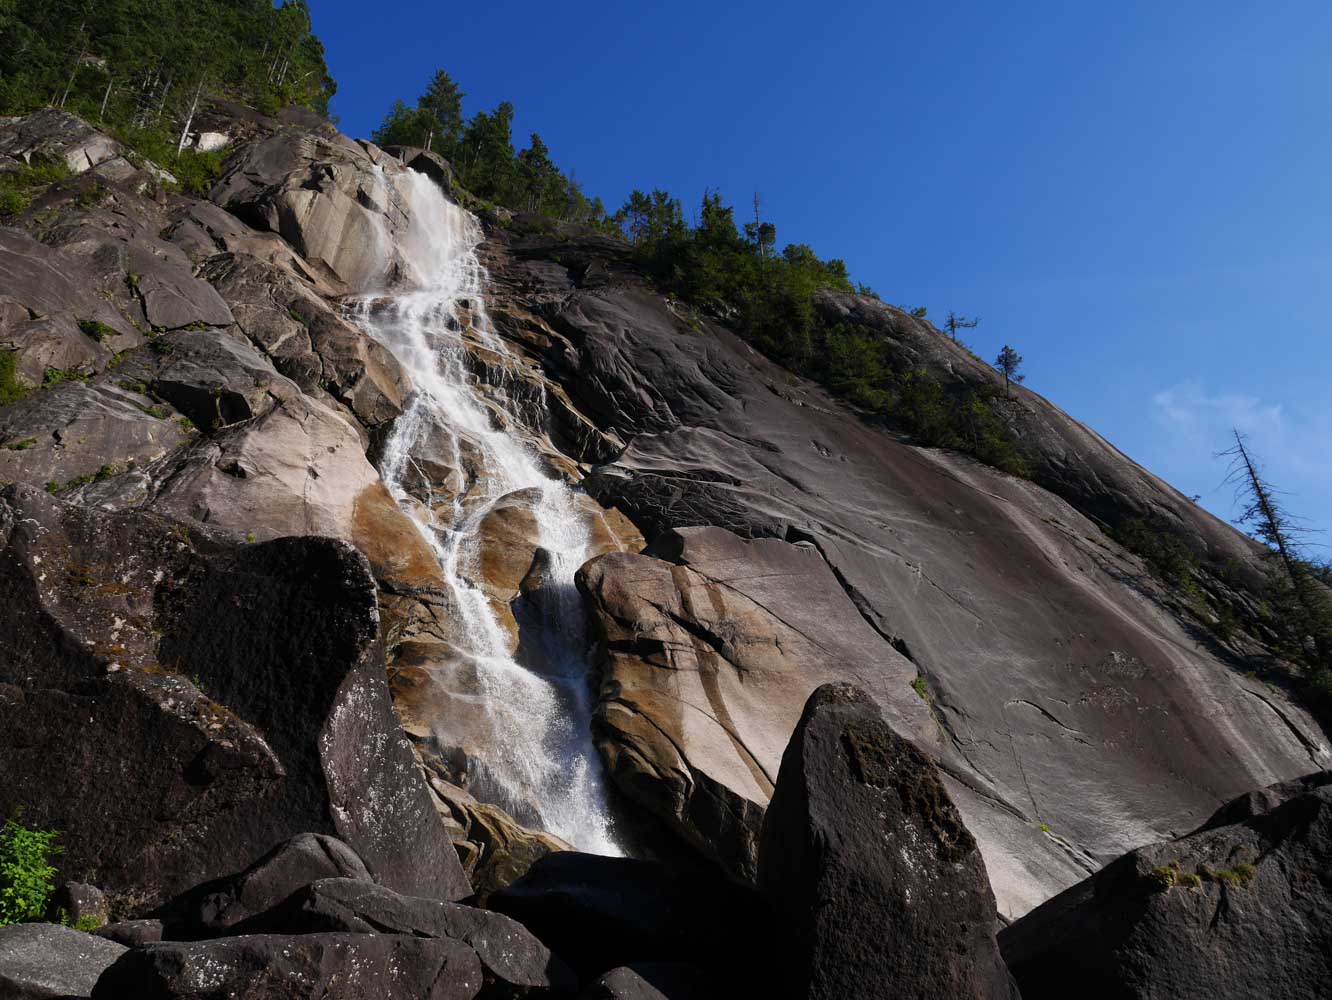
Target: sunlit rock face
1073,713
613,548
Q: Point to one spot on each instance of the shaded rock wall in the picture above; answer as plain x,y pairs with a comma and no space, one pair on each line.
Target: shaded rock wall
175,704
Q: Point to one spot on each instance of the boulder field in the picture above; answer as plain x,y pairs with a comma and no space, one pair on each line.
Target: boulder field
876,720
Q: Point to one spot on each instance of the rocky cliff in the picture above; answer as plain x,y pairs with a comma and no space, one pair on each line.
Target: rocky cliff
205,371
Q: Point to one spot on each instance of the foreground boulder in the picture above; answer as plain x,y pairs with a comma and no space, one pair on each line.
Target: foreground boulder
1241,907
77,904
651,981
512,960
296,967
187,702
213,908
132,932
47,960
599,913
878,888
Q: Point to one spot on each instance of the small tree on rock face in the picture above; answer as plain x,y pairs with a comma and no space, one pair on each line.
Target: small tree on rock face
1010,363
954,322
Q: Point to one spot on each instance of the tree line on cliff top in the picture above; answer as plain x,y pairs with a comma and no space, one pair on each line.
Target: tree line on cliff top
140,69
730,270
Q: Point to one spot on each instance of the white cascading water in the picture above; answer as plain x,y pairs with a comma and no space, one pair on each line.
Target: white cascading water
540,757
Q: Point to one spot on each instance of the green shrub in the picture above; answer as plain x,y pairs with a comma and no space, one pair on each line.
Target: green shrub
54,376
10,390
18,186
25,871
12,202
91,196
1169,558
1165,877
95,329
21,445
87,924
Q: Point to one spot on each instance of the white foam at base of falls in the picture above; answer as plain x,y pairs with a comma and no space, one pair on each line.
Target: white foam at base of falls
541,755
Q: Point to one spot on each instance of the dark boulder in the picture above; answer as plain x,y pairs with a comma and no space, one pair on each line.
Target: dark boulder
877,886
47,960
652,981
598,913
296,967
132,933
77,903
1241,907
214,908
513,961
178,703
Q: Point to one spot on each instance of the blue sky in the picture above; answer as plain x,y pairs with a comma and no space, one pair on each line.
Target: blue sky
1137,196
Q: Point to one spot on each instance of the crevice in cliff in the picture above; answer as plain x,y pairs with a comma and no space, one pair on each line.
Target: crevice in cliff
1317,754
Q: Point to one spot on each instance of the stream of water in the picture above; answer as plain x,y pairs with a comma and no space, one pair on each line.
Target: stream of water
539,761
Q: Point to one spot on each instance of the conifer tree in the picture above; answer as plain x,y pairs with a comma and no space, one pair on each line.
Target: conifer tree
1009,362
954,322
1297,587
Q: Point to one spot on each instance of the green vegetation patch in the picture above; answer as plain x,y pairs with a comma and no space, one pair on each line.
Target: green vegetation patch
96,329
10,390
19,187
54,376
1169,558
26,872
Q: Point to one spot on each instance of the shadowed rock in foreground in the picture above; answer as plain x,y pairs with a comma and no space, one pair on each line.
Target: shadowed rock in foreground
878,888
185,702
1241,907
297,967
46,960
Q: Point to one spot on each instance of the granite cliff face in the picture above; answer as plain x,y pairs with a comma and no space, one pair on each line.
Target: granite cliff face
1074,714
201,380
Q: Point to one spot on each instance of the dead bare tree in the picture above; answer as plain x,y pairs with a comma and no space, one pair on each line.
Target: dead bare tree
954,322
1264,515
189,118
78,61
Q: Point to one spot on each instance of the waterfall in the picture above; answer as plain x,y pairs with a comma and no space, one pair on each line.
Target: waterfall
539,762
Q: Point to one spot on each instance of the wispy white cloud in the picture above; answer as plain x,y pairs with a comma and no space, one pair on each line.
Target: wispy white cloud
1189,414
1294,445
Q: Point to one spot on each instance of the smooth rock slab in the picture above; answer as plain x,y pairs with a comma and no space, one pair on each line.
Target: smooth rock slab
296,967
47,960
